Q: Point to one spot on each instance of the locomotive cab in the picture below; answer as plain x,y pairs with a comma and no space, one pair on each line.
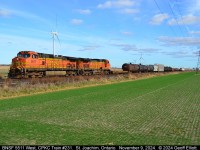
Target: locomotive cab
24,57
20,63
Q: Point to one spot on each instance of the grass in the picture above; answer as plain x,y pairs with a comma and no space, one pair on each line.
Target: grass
13,88
4,69
162,110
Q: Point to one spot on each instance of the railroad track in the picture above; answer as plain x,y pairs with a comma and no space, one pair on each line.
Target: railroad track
55,79
4,82
1,84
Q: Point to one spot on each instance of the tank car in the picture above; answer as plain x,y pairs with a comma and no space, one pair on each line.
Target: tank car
167,69
150,68
143,68
131,67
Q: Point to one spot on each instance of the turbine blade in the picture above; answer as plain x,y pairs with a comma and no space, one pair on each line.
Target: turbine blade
58,38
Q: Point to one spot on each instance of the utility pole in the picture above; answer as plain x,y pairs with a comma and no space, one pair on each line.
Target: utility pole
198,63
141,59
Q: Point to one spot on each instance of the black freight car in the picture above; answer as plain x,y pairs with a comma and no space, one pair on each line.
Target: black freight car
131,67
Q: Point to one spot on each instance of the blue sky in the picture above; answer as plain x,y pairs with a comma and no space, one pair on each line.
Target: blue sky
146,31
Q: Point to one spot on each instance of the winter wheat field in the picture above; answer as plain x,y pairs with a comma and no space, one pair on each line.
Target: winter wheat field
160,110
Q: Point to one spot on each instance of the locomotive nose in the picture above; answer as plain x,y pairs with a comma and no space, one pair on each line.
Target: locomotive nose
18,62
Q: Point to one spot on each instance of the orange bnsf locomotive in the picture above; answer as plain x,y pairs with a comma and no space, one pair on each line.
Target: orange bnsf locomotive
30,64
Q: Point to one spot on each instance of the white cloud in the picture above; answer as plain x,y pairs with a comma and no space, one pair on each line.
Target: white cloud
186,20
116,4
121,6
180,54
5,13
84,11
22,14
134,48
126,33
28,15
129,11
24,42
158,19
127,47
194,7
90,48
179,41
194,32
15,43
76,21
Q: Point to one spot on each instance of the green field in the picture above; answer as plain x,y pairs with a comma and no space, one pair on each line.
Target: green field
161,110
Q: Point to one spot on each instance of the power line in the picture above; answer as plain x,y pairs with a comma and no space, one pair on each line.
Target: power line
181,16
158,6
163,13
175,17
184,25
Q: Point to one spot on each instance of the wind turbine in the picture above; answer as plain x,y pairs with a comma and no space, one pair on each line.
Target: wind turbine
55,34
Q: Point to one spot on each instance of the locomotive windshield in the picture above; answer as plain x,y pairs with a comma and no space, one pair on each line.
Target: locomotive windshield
23,55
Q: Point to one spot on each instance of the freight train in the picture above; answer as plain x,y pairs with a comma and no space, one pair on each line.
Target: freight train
30,64
145,68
